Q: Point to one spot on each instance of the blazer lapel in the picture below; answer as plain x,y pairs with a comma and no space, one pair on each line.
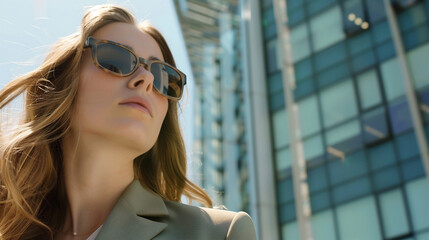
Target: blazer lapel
127,219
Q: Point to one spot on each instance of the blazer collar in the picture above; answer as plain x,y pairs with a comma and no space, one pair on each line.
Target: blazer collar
128,218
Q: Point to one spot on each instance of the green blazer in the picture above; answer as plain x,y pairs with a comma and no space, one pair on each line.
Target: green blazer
140,214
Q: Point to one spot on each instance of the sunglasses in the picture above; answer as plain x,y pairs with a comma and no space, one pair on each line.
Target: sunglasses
120,60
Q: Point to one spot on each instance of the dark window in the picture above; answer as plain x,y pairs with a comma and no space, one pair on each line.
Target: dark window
330,56
375,10
385,51
317,179
275,83
355,189
353,166
315,6
354,17
412,169
303,69
333,74
285,191
381,32
277,101
386,178
287,212
407,146
364,60
382,156
359,43
400,117
375,126
319,201
304,88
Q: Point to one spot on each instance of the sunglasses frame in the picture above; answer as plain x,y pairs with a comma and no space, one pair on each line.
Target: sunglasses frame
93,43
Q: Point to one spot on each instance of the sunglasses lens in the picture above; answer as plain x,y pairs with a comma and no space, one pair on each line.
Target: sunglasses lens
167,80
115,59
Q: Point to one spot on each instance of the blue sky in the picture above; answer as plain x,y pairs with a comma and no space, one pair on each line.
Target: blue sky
31,27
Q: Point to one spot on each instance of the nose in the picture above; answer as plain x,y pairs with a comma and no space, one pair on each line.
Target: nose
141,78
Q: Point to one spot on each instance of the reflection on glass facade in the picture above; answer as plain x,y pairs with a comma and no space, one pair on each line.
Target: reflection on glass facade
211,32
352,104
365,173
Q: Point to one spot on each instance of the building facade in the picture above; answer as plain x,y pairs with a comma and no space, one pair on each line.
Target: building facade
211,32
364,168
365,173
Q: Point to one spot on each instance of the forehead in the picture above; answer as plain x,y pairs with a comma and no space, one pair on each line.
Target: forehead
142,43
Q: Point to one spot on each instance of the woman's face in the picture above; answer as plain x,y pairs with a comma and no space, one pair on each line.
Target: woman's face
126,111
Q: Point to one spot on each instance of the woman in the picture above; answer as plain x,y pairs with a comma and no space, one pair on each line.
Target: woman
99,153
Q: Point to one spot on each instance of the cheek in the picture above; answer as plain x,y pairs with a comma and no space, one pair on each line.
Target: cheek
93,98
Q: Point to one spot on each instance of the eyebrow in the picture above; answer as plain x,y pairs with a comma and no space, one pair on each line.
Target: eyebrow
154,58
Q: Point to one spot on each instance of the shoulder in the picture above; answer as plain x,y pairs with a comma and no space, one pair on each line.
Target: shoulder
220,224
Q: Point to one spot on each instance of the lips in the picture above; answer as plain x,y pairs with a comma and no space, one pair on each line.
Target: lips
139,103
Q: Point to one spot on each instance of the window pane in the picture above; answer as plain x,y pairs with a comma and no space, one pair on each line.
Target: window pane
273,58
375,10
333,74
290,231
330,56
283,159
392,79
416,36
299,41
304,88
303,69
359,43
313,147
418,195
285,191
358,220
280,129
363,60
385,51
393,213
369,89
353,166
317,179
400,117
381,31
412,169
287,212
275,83
345,137
351,190
315,6
386,178
354,16
309,116
407,146
418,59
322,225
277,101
320,201
375,125
411,17
382,156
328,21
338,103
423,236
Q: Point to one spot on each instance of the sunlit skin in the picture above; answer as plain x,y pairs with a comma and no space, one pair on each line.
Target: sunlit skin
107,135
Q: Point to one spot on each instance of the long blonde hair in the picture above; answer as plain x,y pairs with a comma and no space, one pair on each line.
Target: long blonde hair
32,195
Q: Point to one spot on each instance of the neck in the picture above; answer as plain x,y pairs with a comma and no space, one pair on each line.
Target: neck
96,172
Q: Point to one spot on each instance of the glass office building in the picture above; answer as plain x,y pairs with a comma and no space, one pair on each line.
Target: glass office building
210,29
365,173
